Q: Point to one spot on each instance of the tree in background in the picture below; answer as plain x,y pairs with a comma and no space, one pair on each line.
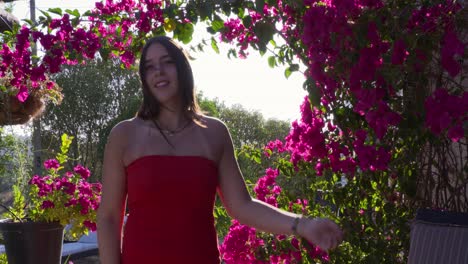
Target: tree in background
97,94
15,163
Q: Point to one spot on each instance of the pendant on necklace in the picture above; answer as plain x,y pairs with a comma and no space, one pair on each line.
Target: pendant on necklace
171,133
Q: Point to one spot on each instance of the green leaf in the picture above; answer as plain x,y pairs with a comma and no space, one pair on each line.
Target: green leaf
186,33
240,12
205,10
214,45
262,51
56,10
257,159
88,13
62,157
294,67
73,12
273,43
232,52
314,93
46,14
210,30
75,21
19,204
287,72
271,61
259,4
247,21
29,22
264,32
217,25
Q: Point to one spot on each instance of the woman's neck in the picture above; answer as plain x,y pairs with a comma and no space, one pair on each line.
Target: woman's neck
172,120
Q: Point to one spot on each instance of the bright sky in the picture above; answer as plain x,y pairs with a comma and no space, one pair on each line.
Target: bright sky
249,82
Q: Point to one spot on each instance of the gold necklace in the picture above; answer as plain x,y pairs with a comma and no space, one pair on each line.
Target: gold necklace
174,131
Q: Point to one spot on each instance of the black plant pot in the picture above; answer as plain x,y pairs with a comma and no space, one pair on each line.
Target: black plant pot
32,242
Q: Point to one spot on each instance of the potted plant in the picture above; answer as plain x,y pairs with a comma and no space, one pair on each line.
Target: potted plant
33,231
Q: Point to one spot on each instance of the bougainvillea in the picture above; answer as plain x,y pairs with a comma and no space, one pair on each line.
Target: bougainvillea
386,99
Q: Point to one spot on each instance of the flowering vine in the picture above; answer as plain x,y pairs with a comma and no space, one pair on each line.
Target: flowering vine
384,81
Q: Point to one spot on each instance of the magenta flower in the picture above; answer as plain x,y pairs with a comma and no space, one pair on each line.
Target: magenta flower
240,244
47,204
233,29
90,225
64,197
36,179
85,204
451,46
71,202
68,187
51,164
84,172
399,52
445,112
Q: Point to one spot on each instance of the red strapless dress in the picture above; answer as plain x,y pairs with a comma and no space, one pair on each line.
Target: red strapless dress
170,201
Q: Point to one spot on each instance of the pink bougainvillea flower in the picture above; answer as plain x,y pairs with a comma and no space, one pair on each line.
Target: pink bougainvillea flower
399,53
451,46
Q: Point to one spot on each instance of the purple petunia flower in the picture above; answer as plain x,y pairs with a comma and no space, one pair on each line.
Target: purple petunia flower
51,164
47,204
84,172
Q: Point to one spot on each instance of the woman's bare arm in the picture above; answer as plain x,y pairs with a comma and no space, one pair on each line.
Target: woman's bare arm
111,209
252,212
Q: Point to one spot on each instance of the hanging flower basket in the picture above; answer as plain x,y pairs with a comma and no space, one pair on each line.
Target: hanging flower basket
15,112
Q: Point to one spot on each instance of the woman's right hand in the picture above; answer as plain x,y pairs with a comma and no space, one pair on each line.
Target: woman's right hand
321,232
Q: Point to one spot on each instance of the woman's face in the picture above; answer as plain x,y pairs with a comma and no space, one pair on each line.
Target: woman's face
161,75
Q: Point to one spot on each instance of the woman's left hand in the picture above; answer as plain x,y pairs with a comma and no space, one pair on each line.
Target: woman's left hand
321,232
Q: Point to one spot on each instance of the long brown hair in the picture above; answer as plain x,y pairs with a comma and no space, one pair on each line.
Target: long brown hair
150,107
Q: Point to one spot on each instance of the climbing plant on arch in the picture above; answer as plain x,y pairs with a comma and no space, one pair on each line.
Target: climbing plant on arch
387,104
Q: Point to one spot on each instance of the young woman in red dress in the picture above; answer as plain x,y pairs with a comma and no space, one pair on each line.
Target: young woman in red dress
167,164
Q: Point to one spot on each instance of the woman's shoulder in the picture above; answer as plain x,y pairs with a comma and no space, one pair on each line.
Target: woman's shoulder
126,128
212,123
215,128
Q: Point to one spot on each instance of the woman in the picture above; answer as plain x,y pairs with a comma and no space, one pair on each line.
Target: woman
167,164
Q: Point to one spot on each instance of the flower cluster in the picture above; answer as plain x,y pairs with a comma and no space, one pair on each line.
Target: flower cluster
445,112
65,197
331,42
386,101
258,26
243,244
349,60
235,31
18,74
266,188
107,29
